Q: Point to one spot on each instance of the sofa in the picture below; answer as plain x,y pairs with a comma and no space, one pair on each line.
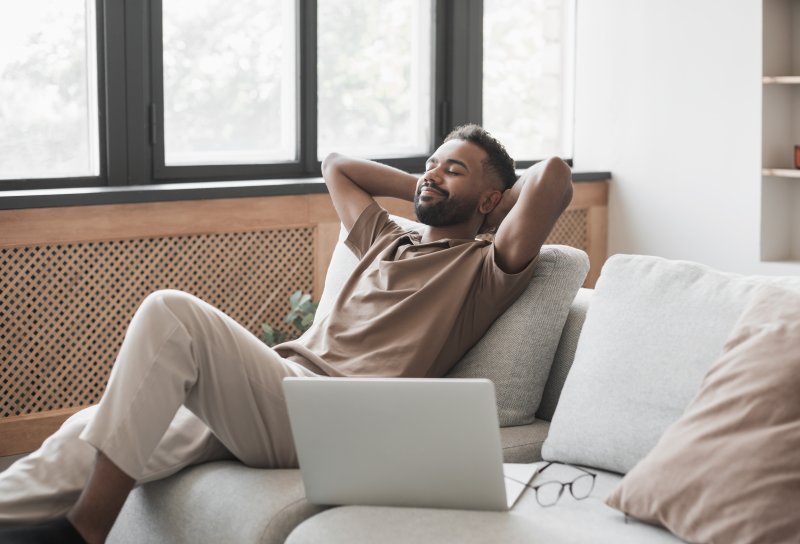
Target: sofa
613,367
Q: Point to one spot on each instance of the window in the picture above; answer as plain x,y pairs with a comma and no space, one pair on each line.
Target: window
527,69
368,106
101,92
229,81
48,90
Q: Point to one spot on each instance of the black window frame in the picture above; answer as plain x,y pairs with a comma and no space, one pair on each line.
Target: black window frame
130,95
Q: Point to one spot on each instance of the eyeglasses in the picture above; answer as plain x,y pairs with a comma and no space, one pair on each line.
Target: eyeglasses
548,493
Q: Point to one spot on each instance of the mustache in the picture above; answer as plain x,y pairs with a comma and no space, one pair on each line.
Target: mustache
432,187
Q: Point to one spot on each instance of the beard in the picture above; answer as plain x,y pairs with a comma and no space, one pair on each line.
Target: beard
444,213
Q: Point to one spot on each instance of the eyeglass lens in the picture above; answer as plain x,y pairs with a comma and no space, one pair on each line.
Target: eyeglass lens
549,493
582,486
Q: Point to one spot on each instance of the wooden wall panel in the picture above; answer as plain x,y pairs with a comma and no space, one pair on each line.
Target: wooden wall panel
64,308
23,434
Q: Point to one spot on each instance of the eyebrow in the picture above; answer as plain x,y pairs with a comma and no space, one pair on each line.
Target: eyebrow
454,161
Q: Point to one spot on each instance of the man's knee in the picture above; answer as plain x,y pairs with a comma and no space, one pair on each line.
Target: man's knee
171,300
75,423
71,429
166,295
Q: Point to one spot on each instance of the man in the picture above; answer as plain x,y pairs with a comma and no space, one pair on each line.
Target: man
192,385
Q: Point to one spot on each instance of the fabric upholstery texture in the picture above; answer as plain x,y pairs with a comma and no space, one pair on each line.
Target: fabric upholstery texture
653,329
523,443
202,503
211,502
568,522
565,354
728,470
517,350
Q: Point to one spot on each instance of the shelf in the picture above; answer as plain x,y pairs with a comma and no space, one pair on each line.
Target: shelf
780,172
780,132
781,80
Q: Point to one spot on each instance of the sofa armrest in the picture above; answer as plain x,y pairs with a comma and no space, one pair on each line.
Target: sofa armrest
223,501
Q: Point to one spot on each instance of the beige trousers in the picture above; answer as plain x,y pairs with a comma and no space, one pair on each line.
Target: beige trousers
189,385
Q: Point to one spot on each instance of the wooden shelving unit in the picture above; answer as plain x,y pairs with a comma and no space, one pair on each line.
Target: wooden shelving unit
781,80
780,180
780,172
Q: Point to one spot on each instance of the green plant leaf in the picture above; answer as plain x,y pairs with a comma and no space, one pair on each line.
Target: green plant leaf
294,299
272,337
268,336
290,317
300,316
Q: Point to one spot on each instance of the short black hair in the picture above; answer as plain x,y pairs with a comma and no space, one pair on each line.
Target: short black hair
498,161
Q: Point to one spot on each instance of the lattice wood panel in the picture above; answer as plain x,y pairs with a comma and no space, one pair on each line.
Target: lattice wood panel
64,308
570,230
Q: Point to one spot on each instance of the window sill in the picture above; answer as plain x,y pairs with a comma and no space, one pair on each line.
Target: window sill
89,196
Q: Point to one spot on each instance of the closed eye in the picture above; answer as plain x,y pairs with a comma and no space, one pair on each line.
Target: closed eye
432,163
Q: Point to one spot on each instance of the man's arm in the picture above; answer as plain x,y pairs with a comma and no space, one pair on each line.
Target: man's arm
528,211
352,184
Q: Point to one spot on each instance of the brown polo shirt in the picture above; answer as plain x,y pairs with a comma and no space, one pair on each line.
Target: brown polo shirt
409,309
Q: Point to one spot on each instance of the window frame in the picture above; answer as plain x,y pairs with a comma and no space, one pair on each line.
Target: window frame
131,118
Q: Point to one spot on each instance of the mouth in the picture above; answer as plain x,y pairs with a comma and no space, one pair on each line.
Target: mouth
430,190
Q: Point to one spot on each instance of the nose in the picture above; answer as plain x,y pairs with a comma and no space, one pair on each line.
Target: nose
433,175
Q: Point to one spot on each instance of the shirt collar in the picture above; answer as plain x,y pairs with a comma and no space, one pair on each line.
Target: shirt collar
415,238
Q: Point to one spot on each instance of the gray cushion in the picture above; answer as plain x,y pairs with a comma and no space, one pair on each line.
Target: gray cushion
569,521
517,350
565,354
523,444
653,328
216,502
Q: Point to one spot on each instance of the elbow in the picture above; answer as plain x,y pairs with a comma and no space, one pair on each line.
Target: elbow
559,176
559,170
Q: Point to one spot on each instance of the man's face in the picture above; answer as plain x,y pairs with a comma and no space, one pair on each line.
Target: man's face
449,191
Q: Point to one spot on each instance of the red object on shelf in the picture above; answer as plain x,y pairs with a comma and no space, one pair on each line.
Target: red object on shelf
797,156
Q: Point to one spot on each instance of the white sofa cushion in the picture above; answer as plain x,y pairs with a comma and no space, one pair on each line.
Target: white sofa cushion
653,329
568,521
517,351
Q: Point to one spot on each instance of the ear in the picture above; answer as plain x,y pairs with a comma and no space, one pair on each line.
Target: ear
489,201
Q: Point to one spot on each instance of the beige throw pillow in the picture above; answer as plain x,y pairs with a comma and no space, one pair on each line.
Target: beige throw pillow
729,469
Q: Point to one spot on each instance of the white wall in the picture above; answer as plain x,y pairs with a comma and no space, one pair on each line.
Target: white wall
668,98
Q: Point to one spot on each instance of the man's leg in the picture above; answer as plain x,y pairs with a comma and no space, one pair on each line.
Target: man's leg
180,350
47,483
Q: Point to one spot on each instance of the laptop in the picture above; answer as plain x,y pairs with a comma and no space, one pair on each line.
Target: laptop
402,442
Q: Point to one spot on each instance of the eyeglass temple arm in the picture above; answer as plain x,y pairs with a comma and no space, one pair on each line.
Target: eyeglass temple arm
592,474
537,472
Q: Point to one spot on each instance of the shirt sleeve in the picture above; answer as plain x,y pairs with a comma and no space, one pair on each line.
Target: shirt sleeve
501,288
372,222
